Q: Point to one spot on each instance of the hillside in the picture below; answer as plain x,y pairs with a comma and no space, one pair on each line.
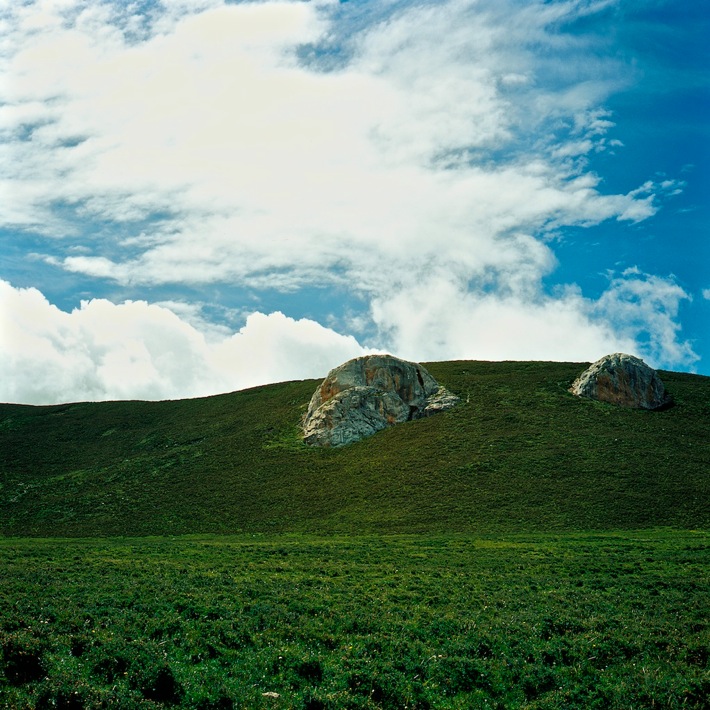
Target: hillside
518,454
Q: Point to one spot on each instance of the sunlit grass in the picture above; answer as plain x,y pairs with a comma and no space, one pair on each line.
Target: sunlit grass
569,621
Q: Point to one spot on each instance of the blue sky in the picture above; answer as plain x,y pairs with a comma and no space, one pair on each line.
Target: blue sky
198,197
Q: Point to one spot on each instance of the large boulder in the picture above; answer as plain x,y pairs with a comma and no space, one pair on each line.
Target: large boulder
622,379
367,394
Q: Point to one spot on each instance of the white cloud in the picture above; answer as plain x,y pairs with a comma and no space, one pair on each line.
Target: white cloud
644,308
265,163
440,320
706,294
136,350
424,172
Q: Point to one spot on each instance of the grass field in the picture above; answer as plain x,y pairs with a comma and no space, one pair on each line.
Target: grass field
529,621
526,549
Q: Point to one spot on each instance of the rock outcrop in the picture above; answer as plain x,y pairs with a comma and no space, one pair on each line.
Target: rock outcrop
367,394
622,379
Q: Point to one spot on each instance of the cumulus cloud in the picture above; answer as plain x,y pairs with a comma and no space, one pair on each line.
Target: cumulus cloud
137,350
441,320
644,308
420,158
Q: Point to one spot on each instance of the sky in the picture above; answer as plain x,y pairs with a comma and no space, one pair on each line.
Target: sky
202,196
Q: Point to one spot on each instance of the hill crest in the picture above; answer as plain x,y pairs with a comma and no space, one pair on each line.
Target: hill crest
520,453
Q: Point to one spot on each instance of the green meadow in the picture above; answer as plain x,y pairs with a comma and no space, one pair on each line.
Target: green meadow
526,549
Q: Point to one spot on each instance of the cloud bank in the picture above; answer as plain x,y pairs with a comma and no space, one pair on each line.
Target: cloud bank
424,159
136,350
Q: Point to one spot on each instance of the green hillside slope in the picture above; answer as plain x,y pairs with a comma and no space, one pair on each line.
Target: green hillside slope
518,454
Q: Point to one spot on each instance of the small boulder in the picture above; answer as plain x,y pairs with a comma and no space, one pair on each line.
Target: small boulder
622,379
370,393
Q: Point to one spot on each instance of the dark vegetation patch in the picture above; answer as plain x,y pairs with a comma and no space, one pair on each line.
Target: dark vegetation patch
357,622
519,453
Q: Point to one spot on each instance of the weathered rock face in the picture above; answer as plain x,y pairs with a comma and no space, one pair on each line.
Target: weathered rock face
365,395
622,379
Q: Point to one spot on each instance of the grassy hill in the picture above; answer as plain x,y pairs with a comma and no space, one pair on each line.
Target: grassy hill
518,454
553,552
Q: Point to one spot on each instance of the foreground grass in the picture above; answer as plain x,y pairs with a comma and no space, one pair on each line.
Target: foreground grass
614,620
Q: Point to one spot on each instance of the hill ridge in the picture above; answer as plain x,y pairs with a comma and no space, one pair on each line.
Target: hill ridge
519,453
